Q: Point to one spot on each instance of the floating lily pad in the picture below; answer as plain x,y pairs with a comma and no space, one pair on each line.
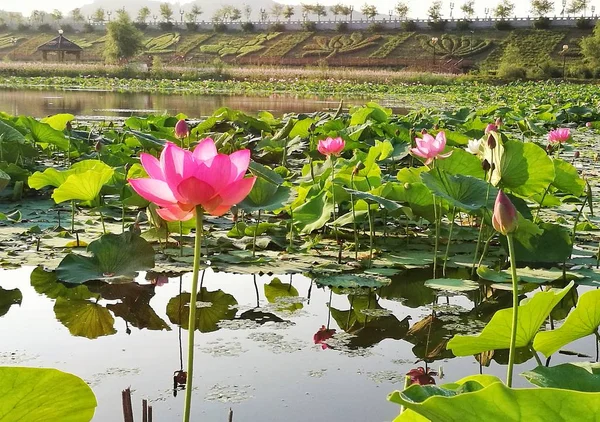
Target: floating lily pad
452,284
350,281
9,298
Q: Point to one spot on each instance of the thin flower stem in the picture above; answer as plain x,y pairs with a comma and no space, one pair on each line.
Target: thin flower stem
181,238
333,194
486,247
73,216
449,241
537,213
102,221
436,240
513,335
536,356
291,228
371,236
255,233
354,220
192,315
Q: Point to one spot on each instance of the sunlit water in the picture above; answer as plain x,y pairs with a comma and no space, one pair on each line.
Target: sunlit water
268,372
113,104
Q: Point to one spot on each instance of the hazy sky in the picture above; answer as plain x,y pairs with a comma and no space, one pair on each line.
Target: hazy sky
417,7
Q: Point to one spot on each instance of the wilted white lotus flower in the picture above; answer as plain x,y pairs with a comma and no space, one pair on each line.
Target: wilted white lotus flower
473,146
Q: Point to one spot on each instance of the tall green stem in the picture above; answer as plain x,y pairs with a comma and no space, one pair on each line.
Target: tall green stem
371,236
332,158
181,238
255,233
436,240
73,216
537,213
192,316
354,221
513,334
449,241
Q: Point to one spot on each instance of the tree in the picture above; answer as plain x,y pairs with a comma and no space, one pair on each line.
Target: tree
56,15
336,10
194,13
166,12
99,15
435,11
590,47
277,11
143,14
288,12
122,12
320,11
577,6
541,8
37,16
468,9
504,9
235,14
369,11
76,15
347,11
401,10
123,40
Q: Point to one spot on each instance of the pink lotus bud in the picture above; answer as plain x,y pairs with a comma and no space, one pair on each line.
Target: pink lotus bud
498,122
589,125
491,128
491,141
505,219
181,129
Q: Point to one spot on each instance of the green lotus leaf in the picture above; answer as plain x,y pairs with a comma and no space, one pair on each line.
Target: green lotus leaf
58,121
366,196
266,196
50,177
113,256
452,284
314,213
215,307
46,283
581,322
527,275
567,178
461,162
472,400
580,376
525,169
352,281
464,192
84,186
496,334
84,318
42,394
43,133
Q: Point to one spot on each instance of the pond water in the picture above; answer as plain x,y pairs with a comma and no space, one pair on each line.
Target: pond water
256,354
103,103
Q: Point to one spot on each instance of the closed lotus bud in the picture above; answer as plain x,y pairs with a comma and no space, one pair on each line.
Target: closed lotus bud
505,219
69,126
358,167
181,129
424,131
576,154
493,167
549,148
498,122
486,165
98,146
491,141
436,126
491,128
588,124
312,127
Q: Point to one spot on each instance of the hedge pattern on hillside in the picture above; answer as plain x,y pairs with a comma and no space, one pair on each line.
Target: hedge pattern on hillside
239,47
286,44
339,44
452,46
534,46
390,45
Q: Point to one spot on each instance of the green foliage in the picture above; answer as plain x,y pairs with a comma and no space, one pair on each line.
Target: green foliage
162,43
286,43
123,40
590,46
451,46
391,44
239,47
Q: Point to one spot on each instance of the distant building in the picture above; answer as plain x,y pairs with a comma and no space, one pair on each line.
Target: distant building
61,46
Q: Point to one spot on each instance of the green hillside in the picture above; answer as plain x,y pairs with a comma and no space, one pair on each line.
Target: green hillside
412,50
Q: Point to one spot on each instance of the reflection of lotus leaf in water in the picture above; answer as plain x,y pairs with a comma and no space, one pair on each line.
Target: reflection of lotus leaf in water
207,318
84,318
9,298
283,295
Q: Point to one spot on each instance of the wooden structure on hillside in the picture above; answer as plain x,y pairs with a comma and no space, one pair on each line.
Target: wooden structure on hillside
61,46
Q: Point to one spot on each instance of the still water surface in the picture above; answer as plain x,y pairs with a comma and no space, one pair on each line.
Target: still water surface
265,370
101,103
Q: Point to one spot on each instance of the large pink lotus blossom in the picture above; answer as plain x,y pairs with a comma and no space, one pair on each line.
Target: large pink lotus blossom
182,129
331,146
182,180
559,135
431,148
505,218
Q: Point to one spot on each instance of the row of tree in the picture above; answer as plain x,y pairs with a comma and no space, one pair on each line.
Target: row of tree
503,10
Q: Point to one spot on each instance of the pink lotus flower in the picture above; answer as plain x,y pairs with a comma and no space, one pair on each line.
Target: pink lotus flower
559,135
431,148
181,180
505,219
331,146
491,128
181,129
589,125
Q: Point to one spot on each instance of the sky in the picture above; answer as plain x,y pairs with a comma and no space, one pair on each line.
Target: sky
418,8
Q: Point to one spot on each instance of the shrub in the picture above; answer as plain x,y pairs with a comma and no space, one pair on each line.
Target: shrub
409,26
309,26
166,26
68,29
542,23
341,27
220,27
580,71
247,27
88,28
503,25
511,71
543,70
437,25
583,23
375,27
277,27
463,25
140,25
41,28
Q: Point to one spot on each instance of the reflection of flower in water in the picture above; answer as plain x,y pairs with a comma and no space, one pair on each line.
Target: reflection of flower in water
160,280
323,335
421,376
